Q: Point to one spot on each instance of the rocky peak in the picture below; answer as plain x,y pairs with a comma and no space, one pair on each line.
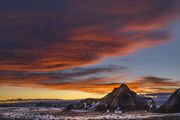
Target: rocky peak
172,105
177,92
124,99
123,88
120,99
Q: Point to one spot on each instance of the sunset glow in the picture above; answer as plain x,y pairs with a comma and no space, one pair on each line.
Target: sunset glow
67,49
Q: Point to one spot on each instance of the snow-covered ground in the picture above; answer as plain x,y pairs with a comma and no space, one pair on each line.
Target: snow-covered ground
39,113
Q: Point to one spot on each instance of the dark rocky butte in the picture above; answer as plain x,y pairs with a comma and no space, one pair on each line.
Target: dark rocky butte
120,99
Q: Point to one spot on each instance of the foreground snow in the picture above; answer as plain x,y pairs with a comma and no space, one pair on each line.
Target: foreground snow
35,113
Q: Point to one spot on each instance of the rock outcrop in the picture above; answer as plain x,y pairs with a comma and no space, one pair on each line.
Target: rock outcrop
172,105
120,99
124,99
86,104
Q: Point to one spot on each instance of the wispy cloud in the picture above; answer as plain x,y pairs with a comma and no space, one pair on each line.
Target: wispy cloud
68,79
153,84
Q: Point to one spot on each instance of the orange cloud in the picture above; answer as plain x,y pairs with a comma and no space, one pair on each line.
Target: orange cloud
84,33
151,84
141,88
70,79
98,84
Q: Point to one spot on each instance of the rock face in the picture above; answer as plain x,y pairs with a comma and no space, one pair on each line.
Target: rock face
172,105
86,104
124,99
120,99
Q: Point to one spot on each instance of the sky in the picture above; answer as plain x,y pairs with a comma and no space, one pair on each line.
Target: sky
67,49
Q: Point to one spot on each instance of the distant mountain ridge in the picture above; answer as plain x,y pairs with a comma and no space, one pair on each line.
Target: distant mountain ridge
37,103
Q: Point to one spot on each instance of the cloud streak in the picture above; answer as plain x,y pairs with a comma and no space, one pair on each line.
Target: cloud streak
153,84
59,79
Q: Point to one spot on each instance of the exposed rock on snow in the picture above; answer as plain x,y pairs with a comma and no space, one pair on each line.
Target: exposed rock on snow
86,104
117,111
